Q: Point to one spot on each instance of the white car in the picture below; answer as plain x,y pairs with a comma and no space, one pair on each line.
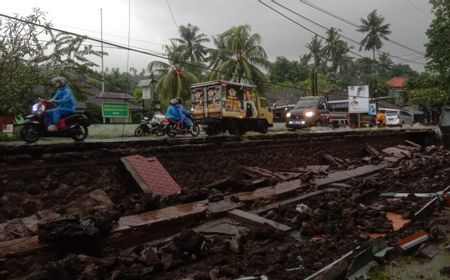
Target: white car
398,118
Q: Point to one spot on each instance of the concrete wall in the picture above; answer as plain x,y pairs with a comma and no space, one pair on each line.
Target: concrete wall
111,130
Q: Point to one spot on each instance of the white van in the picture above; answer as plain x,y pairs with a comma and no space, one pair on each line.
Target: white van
398,118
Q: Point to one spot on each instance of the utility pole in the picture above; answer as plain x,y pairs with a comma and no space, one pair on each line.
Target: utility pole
101,38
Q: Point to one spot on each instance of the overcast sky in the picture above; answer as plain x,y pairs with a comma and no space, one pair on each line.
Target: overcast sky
152,24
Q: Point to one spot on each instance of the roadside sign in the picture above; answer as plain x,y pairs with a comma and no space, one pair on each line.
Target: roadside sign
372,109
115,110
358,99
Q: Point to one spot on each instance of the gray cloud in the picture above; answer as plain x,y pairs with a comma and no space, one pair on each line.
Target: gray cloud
152,24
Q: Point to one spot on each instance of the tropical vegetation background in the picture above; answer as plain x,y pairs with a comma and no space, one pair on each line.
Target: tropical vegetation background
327,63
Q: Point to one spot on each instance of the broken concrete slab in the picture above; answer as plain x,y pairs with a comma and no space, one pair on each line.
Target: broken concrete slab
347,174
371,150
413,240
254,219
429,251
150,175
222,206
397,152
224,226
318,169
272,192
411,143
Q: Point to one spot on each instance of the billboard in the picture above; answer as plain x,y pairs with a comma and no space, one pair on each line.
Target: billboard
358,99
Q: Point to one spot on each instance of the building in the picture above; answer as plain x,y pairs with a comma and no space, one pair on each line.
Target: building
396,87
97,98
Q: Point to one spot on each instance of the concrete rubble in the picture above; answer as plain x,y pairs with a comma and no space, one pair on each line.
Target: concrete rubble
334,219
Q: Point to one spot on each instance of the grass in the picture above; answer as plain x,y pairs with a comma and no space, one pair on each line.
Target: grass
7,137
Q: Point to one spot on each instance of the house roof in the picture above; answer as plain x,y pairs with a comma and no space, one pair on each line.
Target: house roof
396,82
336,95
115,95
145,83
93,97
283,97
383,104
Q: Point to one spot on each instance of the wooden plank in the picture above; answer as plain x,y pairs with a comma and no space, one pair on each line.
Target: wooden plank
257,220
348,174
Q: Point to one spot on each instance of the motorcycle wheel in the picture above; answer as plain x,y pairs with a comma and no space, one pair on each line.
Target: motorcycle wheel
139,132
82,134
195,131
30,133
159,131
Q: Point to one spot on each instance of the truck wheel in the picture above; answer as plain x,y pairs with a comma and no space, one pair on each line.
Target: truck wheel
235,129
263,127
211,131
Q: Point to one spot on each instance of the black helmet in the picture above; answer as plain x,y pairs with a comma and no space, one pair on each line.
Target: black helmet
62,80
179,99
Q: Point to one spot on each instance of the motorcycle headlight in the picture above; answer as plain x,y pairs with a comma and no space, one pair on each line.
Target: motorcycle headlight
288,115
35,108
309,114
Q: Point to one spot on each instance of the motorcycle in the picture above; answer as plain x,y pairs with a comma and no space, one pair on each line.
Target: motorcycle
75,125
170,128
153,126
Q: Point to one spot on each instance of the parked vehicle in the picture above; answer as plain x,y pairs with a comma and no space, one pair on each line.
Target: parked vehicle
398,118
74,126
150,126
312,111
170,128
228,106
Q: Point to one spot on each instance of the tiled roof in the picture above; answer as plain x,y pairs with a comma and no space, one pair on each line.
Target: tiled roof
396,82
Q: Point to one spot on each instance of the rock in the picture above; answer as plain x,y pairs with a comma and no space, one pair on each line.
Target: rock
235,244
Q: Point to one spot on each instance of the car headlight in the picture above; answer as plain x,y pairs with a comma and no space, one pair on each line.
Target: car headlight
309,114
288,115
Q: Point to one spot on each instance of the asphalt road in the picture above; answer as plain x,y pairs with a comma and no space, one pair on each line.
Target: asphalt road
278,128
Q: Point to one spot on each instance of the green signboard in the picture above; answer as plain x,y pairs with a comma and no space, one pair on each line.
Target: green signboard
115,110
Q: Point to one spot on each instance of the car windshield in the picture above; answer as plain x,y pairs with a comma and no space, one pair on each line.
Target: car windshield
391,113
306,103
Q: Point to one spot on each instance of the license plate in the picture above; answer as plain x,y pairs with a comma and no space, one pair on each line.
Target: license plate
298,122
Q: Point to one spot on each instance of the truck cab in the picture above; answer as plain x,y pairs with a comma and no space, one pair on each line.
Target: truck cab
228,106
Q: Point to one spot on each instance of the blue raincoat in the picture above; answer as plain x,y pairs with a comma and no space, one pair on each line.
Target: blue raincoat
66,105
173,113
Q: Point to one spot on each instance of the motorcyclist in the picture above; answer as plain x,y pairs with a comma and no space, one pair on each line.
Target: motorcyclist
185,120
65,100
172,112
380,118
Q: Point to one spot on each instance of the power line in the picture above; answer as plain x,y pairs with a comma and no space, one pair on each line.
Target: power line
173,18
306,28
314,6
418,9
142,51
343,36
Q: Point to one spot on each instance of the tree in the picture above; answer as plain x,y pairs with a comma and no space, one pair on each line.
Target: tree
439,40
336,51
376,31
287,71
173,78
238,55
27,63
429,93
192,42
317,54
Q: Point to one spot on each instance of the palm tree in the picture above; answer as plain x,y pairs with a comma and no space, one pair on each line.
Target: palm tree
336,50
316,53
173,77
193,42
238,56
376,32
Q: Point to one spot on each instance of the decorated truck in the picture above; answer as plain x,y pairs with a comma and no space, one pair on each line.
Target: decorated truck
227,106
